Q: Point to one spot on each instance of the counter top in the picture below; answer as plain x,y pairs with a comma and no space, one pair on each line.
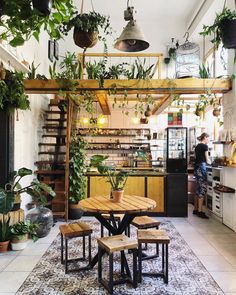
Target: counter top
133,173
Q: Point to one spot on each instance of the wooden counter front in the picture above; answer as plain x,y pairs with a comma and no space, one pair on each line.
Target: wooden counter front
152,187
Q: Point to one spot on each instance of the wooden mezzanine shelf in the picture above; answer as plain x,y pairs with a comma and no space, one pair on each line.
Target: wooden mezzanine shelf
157,86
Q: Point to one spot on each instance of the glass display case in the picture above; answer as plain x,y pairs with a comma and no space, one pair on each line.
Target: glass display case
176,150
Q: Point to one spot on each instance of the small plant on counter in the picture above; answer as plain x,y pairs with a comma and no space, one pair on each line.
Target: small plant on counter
116,179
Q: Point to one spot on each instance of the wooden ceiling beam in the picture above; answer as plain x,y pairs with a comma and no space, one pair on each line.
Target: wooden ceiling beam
162,105
102,98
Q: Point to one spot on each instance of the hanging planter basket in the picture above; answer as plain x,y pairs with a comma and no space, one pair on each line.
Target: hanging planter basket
43,6
85,39
228,33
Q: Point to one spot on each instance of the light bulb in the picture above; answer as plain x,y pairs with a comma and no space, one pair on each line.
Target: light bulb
85,121
131,42
135,120
101,121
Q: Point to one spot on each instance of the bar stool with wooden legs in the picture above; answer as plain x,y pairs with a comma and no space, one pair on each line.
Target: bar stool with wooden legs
110,245
146,222
154,237
70,231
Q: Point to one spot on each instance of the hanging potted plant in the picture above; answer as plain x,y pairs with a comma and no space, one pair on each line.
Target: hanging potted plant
77,178
87,28
43,6
223,28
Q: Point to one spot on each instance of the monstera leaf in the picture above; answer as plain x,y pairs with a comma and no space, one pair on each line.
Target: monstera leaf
6,201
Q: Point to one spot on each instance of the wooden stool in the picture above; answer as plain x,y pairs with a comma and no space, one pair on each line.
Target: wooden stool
70,231
117,243
117,219
154,237
146,222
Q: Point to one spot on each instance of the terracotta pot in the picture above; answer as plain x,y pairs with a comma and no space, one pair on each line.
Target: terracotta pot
4,246
85,39
216,112
74,211
116,196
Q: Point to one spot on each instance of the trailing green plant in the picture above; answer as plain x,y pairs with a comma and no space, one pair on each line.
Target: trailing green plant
116,179
139,70
215,29
21,21
88,22
21,228
13,92
77,178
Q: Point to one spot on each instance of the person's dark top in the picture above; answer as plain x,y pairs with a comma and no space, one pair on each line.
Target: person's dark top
200,156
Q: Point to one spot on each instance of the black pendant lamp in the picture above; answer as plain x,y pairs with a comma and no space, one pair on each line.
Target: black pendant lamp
132,38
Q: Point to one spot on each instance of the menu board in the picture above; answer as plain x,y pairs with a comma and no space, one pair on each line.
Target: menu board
175,119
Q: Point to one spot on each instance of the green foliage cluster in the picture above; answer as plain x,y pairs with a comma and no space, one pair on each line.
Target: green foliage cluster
21,21
13,93
22,228
88,22
77,178
116,179
216,28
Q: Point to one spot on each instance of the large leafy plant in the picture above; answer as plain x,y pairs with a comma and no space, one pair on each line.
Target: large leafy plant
22,228
6,204
77,178
21,21
116,179
13,93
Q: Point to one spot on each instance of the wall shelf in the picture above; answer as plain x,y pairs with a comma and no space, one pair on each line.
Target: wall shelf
12,60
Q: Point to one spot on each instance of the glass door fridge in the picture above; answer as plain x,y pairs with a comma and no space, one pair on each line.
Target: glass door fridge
176,150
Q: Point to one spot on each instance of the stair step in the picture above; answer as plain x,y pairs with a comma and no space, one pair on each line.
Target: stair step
50,172
60,192
51,144
55,112
54,135
50,162
53,127
59,214
52,153
56,120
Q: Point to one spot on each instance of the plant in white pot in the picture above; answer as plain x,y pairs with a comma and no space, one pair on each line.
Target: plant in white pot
20,234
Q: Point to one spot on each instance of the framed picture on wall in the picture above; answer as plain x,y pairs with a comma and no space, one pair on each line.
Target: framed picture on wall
50,50
56,50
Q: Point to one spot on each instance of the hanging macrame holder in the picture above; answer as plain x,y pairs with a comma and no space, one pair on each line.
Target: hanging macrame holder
85,39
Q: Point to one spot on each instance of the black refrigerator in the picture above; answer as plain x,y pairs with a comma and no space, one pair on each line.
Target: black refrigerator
176,168
176,150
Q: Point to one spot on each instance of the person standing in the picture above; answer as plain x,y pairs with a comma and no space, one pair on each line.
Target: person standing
201,159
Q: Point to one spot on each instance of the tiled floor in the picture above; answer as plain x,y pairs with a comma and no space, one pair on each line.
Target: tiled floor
212,242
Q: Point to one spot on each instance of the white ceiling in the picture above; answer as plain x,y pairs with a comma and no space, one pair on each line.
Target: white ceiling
160,20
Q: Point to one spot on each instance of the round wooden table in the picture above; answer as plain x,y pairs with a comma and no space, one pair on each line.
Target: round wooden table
131,206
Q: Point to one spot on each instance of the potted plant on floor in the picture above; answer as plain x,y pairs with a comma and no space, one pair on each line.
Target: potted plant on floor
87,28
116,179
6,204
77,178
223,28
21,232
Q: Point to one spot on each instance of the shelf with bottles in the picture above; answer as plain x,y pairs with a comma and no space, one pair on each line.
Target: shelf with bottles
115,132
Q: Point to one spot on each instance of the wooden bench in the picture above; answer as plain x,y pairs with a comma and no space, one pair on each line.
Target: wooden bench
154,237
70,231
117,243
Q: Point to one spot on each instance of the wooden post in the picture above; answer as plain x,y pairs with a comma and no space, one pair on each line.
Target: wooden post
68,138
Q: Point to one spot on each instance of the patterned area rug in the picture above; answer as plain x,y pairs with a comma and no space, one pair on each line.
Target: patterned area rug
187,275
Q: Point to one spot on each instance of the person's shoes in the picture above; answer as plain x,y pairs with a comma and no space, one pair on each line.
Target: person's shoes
195,212
202,215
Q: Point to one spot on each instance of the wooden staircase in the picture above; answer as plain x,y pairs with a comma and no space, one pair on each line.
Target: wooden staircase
51,165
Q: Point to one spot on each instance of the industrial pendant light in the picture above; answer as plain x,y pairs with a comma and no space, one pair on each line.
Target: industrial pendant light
132,38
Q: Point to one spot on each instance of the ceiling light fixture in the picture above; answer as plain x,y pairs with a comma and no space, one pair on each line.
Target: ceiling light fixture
132,38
